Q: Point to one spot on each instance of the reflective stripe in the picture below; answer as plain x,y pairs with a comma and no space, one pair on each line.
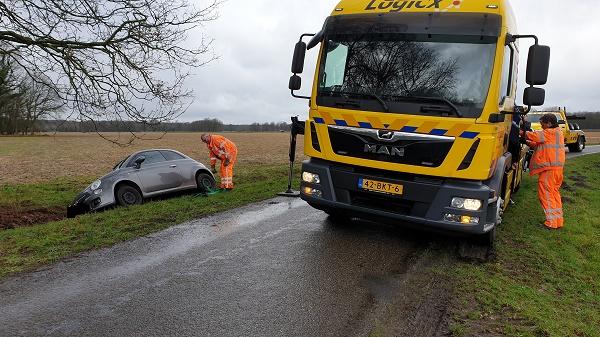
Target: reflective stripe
553,164
558,135
549,146
542,136
556,210
552,217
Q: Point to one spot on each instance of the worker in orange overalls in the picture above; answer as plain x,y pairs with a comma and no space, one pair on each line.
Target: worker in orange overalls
548,160
225,150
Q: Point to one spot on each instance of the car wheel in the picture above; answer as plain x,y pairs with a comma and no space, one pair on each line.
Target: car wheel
128,195
205,182
579,146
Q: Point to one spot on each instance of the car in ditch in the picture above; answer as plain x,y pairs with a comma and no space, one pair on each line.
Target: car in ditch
142,175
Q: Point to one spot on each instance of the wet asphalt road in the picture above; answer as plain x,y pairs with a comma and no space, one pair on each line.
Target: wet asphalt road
276,268
590,149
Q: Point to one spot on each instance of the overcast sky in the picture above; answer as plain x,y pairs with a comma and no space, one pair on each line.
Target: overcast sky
255,39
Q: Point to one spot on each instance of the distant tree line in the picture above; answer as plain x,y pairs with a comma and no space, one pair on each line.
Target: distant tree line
24,100
591,121
205,125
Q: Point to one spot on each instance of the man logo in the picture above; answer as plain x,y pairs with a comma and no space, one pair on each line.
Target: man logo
385,134
391,151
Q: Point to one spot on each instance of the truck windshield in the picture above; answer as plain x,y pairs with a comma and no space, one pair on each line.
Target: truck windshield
412,73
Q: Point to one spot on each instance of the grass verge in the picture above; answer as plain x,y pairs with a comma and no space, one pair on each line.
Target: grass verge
543,283
25,248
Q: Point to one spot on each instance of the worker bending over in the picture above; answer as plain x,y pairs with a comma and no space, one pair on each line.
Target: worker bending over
224,150
548,161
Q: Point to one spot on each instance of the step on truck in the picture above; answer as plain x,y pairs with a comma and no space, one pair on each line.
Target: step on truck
412,114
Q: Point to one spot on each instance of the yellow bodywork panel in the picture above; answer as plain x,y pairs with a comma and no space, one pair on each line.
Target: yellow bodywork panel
391,6
466,131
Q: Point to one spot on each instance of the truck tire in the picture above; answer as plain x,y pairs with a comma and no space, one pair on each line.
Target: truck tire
579,146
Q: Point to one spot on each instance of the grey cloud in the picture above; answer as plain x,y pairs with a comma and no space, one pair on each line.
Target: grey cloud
255,40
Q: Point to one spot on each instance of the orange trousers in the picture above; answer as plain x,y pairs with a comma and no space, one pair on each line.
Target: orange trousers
227,173
548,192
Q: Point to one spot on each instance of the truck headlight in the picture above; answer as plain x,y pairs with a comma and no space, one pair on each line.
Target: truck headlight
311,178
95,185
468,204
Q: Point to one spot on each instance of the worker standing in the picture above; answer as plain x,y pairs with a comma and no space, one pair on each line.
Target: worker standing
224,150
548,161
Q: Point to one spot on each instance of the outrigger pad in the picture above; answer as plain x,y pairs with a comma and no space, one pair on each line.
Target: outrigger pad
290,194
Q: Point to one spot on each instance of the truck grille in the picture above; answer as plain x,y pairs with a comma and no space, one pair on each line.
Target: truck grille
400,148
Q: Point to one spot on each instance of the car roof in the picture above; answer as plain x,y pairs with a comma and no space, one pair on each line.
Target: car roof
146,150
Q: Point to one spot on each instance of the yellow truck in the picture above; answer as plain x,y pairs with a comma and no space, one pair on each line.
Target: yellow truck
412,112
574,136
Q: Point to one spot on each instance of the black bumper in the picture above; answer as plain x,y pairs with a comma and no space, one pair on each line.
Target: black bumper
423,204
83,203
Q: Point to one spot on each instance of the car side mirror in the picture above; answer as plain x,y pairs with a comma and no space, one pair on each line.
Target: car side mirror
138,162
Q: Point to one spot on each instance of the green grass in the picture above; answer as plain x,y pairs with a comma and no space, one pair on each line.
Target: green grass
58,193
26,248
543,283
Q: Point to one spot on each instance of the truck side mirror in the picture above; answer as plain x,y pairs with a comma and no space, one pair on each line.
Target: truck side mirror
298,60
534,96
295,82
538,64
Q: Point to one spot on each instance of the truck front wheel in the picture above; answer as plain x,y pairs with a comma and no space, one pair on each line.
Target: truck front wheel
579,146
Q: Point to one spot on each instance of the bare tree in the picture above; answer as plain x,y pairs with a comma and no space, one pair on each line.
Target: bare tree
109,59
38,101
399,68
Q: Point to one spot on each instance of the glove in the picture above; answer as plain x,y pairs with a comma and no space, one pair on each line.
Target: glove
227,162
213,169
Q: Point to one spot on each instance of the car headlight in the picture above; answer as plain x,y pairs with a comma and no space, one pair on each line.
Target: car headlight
468,204
95,185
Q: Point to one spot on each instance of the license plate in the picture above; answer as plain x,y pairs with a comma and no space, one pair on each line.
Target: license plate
380,186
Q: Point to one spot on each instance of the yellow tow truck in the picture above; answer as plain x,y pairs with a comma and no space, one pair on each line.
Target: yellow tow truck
574,136
412,112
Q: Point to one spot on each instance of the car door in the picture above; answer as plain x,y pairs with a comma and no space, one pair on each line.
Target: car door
156,173
183,166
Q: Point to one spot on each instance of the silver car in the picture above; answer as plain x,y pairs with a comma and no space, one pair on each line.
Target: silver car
141,175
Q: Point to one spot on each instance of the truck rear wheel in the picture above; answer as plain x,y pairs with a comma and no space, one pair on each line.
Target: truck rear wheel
579,146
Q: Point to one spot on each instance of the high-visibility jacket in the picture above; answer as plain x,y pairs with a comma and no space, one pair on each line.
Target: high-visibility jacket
221,148
549,150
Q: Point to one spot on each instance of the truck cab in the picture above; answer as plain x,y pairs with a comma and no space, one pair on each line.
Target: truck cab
413,112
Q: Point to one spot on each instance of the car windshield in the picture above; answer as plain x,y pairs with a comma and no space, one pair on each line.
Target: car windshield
535,117
409,72
119,164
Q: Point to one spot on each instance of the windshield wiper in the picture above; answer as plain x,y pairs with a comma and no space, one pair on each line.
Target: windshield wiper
359,94
432,99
